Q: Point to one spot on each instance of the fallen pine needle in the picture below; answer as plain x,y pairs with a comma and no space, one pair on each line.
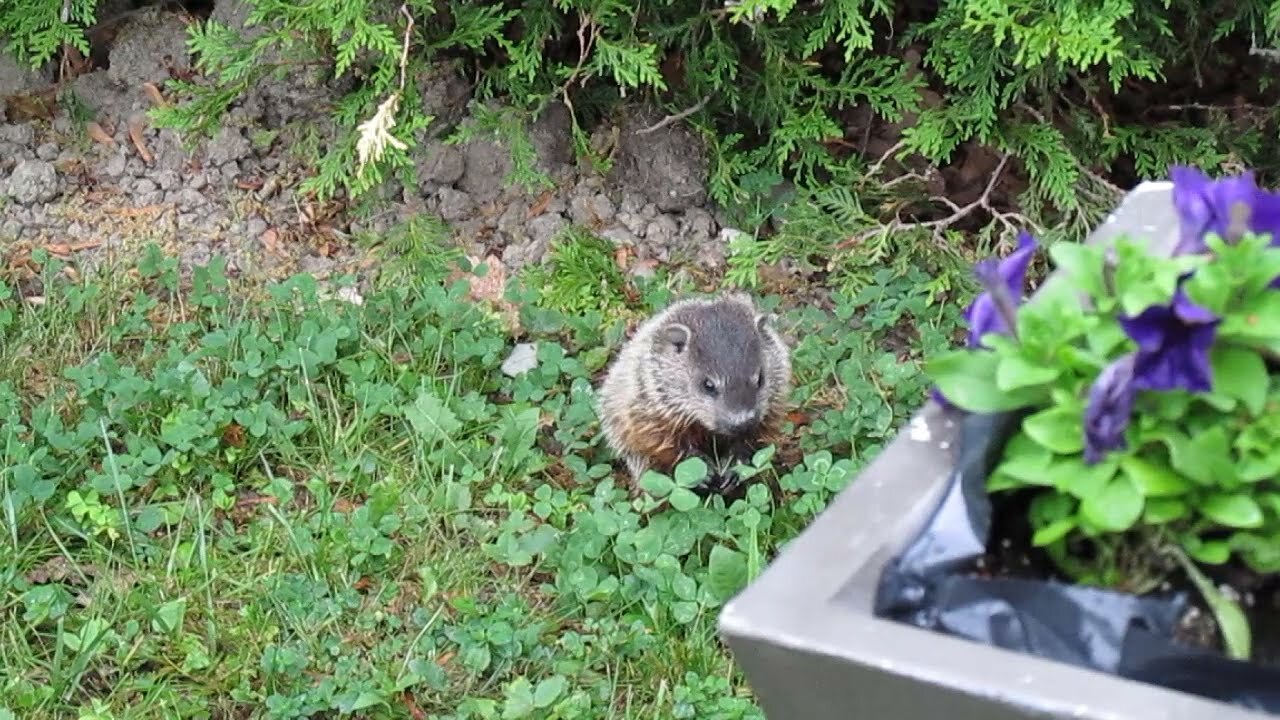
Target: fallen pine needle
98,135
135,134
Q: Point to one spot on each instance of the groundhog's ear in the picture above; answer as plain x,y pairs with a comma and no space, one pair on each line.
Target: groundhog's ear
677,335
764,320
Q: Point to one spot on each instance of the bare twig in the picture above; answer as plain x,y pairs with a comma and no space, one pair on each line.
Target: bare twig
1011,220
1265,53
585,43
907,178
875,167
375,133
64,64
982,203
668,120
404,46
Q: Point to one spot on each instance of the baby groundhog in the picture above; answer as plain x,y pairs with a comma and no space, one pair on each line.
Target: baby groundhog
706,378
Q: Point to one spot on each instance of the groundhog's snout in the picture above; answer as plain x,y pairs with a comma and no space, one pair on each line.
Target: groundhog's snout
741,422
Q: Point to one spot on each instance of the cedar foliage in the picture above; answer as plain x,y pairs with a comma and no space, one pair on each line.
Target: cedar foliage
1081,95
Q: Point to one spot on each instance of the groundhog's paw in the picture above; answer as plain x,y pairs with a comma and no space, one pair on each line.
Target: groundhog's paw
721,482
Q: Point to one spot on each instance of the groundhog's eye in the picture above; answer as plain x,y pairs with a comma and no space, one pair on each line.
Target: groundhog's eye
709,387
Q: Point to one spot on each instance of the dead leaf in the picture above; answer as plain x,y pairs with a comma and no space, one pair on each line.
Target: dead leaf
540,205
233,435
343,505
154,94
362,584
622,256
55,568
445,659
65,249
247,501
493,284
136,212
98,135
270,240
797,417
35,105
414,711
137,124
58,569
73,62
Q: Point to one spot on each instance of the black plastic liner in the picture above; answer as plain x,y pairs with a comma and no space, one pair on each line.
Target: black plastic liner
930,586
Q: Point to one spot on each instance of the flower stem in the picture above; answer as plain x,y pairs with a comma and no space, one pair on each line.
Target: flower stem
1232,623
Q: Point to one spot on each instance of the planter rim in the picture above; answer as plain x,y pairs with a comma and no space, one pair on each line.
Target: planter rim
816,596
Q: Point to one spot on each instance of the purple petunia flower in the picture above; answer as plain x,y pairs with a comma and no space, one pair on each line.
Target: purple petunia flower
993,311
1173,345
1205,205
1110,406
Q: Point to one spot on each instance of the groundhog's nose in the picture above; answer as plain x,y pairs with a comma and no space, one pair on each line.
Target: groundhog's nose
741,422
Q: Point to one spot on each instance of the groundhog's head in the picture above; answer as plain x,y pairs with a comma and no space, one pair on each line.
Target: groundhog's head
722,363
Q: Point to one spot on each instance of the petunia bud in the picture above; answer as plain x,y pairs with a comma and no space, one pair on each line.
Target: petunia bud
1109,408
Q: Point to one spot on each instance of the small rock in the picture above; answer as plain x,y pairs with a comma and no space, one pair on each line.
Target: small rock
317,265
699,223
47,152
24,134
443,164
602,206
167,179
16,77
228,146
729,235
633,222
145,192
33,181
515,254
661,232
523,358
551,135
545,227
487,165
350,295
619,236
454,204
255,227
114,167
632,203
235,14
512,221
189,198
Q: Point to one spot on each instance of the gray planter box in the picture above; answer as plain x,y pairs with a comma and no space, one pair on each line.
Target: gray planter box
804,633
